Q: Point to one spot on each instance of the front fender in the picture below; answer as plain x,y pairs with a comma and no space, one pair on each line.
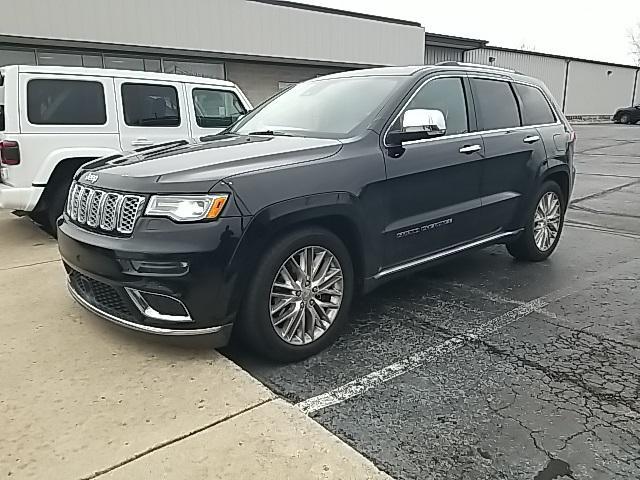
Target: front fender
339,212
56,156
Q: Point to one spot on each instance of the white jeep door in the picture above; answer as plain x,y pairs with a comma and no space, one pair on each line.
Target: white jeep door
213,108
150,112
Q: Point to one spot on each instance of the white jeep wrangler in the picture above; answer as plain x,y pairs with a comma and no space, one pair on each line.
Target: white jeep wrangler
54,119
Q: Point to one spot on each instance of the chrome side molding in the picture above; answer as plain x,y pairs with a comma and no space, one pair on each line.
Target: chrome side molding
444,253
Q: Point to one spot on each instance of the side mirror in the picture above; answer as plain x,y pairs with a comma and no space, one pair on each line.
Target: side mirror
418,124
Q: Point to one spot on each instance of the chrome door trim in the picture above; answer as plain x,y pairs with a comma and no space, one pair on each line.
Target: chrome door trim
443,254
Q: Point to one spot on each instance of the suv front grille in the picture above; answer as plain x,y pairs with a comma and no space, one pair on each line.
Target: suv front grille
108,211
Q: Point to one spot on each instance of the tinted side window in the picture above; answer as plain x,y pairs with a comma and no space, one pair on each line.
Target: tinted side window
496,104
535,108
147,105
446,95
65,102
216,108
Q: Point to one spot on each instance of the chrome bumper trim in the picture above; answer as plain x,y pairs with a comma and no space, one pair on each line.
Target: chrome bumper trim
446,253
150,312
141,328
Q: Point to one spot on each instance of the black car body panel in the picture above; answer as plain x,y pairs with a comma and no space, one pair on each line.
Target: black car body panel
632,112
395,207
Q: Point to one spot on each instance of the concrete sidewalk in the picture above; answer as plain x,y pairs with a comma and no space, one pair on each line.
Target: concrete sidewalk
82,398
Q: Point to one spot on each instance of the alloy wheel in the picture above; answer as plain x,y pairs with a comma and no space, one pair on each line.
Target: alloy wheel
546,223
306,295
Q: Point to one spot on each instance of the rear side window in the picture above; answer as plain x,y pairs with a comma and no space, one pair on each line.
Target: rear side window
496,104
65,102
535,107
216,108
147,105
446,95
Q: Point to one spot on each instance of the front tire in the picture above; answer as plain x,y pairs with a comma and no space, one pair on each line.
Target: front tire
625,118
299,298
545,219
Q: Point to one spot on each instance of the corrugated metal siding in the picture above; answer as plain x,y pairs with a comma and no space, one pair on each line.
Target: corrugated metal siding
592,91
220,26
433,55
548,69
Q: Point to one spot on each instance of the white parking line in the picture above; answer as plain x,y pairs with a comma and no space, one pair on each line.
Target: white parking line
374,379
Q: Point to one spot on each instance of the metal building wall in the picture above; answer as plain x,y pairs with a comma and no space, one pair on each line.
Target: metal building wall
242,27
260,81
548,69
596,89
433,55
636,100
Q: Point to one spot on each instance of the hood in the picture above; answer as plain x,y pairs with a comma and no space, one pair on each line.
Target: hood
188,167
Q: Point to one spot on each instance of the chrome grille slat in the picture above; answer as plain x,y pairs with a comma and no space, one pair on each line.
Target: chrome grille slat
75,201
129,213
108,211
93,211
85,199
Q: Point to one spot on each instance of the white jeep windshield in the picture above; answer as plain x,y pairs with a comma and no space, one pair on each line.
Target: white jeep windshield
323,108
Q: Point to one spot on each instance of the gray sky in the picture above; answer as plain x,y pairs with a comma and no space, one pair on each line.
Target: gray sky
592,29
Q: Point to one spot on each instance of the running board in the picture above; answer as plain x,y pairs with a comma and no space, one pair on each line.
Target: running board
443,254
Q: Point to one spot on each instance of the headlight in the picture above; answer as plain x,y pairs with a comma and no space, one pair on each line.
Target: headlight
187,208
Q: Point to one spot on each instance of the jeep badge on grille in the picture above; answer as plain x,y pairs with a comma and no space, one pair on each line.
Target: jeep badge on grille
91,177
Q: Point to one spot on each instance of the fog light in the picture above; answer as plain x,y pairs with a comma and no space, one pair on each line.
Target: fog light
159,307
160,268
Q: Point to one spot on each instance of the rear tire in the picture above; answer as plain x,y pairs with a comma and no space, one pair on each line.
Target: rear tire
52,205
318,317
543,228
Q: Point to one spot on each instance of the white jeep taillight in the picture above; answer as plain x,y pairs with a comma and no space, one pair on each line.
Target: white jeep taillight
9,152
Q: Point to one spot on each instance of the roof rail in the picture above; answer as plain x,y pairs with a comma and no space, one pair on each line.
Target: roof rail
475,65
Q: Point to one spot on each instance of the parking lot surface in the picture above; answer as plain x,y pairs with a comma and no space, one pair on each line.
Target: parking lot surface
488,368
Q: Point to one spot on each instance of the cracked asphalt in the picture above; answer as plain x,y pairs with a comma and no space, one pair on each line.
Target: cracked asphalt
487,368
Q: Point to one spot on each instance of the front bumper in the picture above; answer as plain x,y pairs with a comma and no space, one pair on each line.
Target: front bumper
16,198
166,279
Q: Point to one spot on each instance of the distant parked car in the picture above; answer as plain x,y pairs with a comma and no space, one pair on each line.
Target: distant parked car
627,115
55,119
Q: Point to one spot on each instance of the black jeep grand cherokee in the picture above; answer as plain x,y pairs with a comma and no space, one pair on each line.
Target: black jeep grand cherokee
330,188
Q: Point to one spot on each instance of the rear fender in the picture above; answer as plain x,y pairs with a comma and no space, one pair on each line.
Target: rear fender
55,157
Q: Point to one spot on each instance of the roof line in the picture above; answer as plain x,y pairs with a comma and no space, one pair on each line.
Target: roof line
336,11
562,57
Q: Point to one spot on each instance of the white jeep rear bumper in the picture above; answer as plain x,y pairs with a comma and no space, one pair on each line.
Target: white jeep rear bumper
16,198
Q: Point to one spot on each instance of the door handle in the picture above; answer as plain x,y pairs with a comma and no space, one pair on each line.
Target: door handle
470,149
141,142
531,139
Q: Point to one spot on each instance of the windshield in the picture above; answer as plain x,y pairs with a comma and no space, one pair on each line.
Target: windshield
330,108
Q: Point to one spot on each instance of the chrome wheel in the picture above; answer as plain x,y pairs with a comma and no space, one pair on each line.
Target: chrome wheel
306,295
546,222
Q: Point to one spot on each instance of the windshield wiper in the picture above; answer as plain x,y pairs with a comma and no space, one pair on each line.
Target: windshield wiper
273,133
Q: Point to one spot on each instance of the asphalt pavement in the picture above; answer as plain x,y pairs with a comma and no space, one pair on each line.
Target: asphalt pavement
488,368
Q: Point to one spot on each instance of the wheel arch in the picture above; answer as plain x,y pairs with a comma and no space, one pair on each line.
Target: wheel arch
560,175
63,170
336,212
